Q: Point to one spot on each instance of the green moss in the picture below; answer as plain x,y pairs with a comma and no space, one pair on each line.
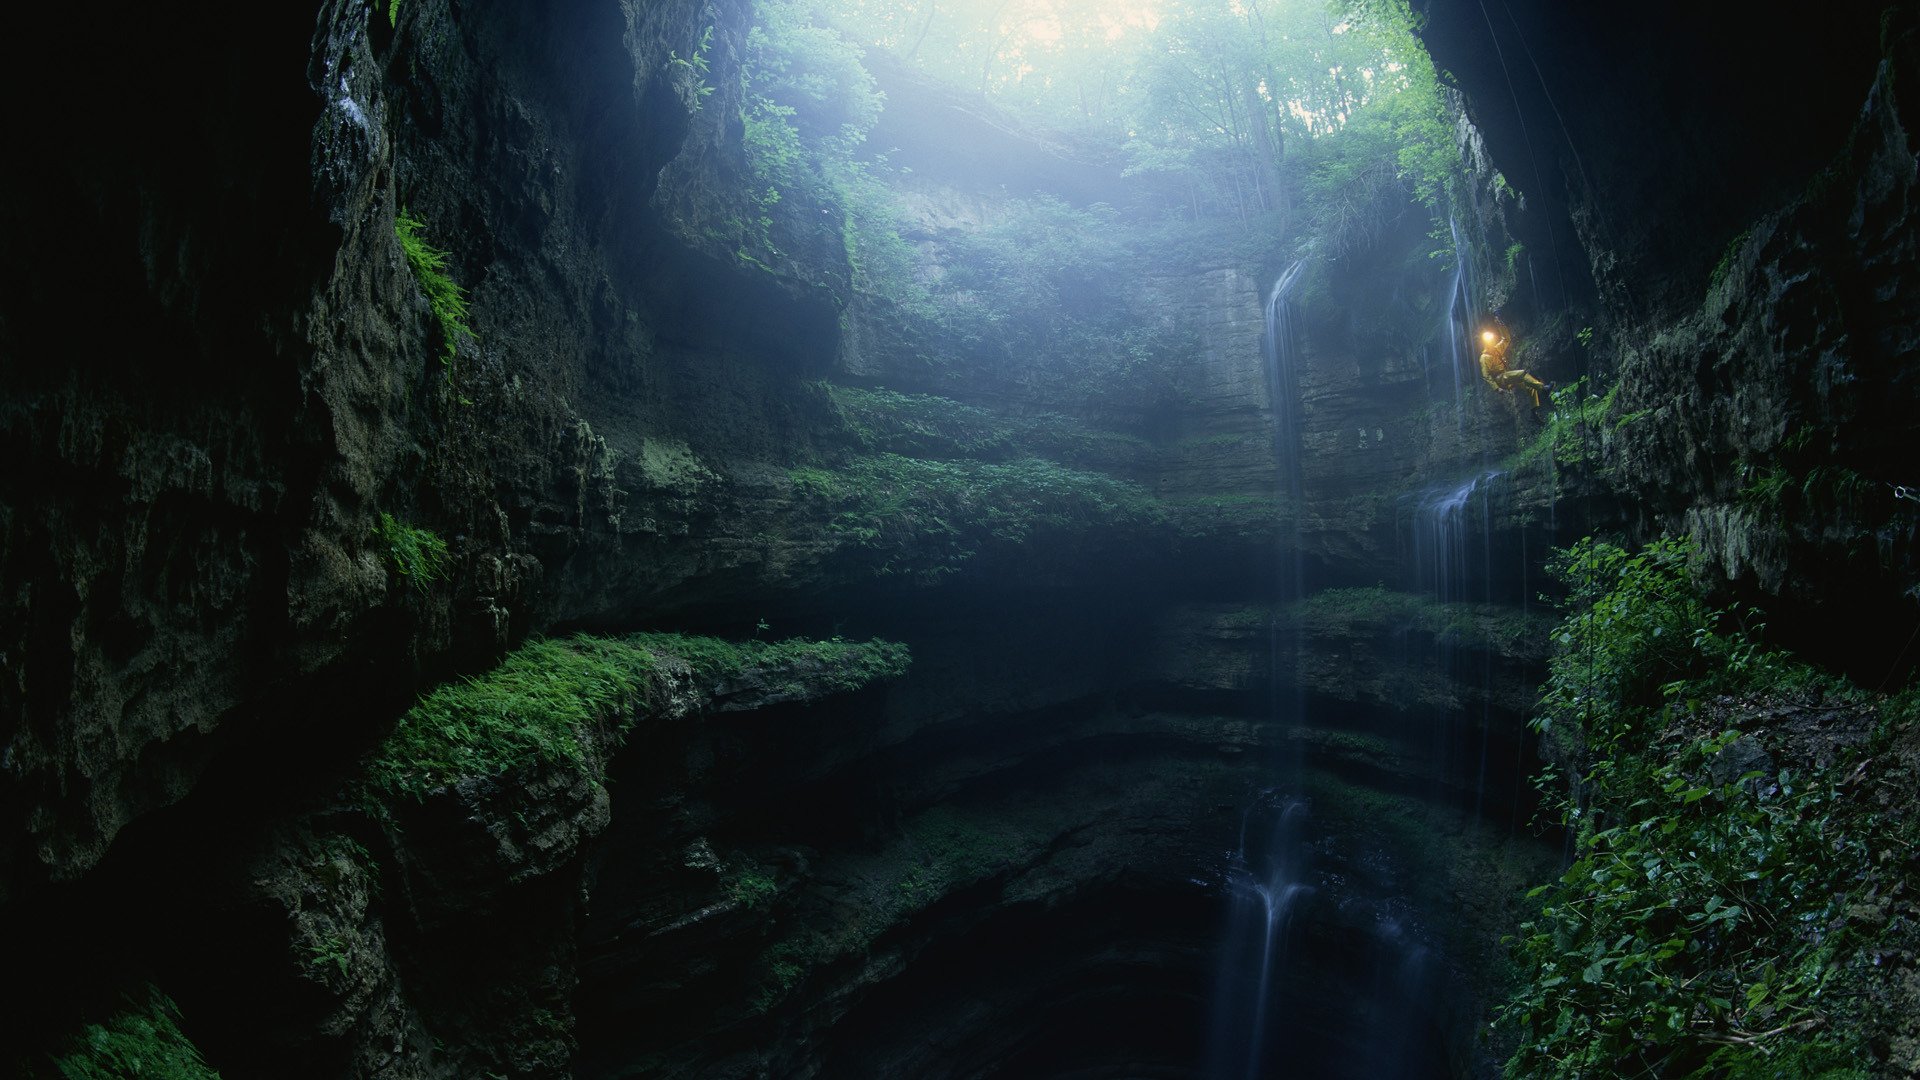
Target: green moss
835,665
920,424
787,964
927,426
673,466
939,851
1727,256
1497,628
142,1040
545,697
1354,745
927,519
446,298
1246,519
418,555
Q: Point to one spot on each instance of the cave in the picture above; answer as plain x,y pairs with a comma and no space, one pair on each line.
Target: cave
1166,539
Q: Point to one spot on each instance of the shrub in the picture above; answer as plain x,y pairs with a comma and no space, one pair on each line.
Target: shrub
1721,915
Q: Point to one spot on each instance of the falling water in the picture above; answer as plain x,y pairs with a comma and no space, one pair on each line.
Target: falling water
1265,886
1461,320
1281,348
1267,872
1443,551
1440,549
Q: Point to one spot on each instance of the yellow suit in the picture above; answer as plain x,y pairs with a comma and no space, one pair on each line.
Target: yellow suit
1493,368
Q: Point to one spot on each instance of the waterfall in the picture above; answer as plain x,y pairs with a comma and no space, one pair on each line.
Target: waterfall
1461,321
1280,347
1267,873
1444,546
1440,548
1265,885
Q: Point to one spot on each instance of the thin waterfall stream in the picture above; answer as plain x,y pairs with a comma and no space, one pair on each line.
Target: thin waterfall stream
1460,321
1268,872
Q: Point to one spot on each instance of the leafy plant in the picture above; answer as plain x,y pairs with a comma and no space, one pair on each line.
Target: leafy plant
417,554
393,12
750,887
1718,914
1579,433
446,299
696,67
142,1040
333,951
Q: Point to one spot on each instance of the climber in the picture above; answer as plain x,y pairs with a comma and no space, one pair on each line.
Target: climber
1493,366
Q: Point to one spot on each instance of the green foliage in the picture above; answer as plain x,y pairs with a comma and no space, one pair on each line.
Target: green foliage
532,708
808,103
1727,256
834,665
1827,491
541,703
1630,629
695,69
813,74
750,887
331,951
447,300
1246,519
920,425
1044,293
141,1040
418,555
1492,627
929,518
393,12
927,426
1714,922
1579,432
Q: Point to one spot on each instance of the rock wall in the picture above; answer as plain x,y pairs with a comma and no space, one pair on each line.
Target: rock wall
207,634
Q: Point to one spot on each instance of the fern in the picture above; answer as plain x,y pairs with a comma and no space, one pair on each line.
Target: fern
447,299
418,555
